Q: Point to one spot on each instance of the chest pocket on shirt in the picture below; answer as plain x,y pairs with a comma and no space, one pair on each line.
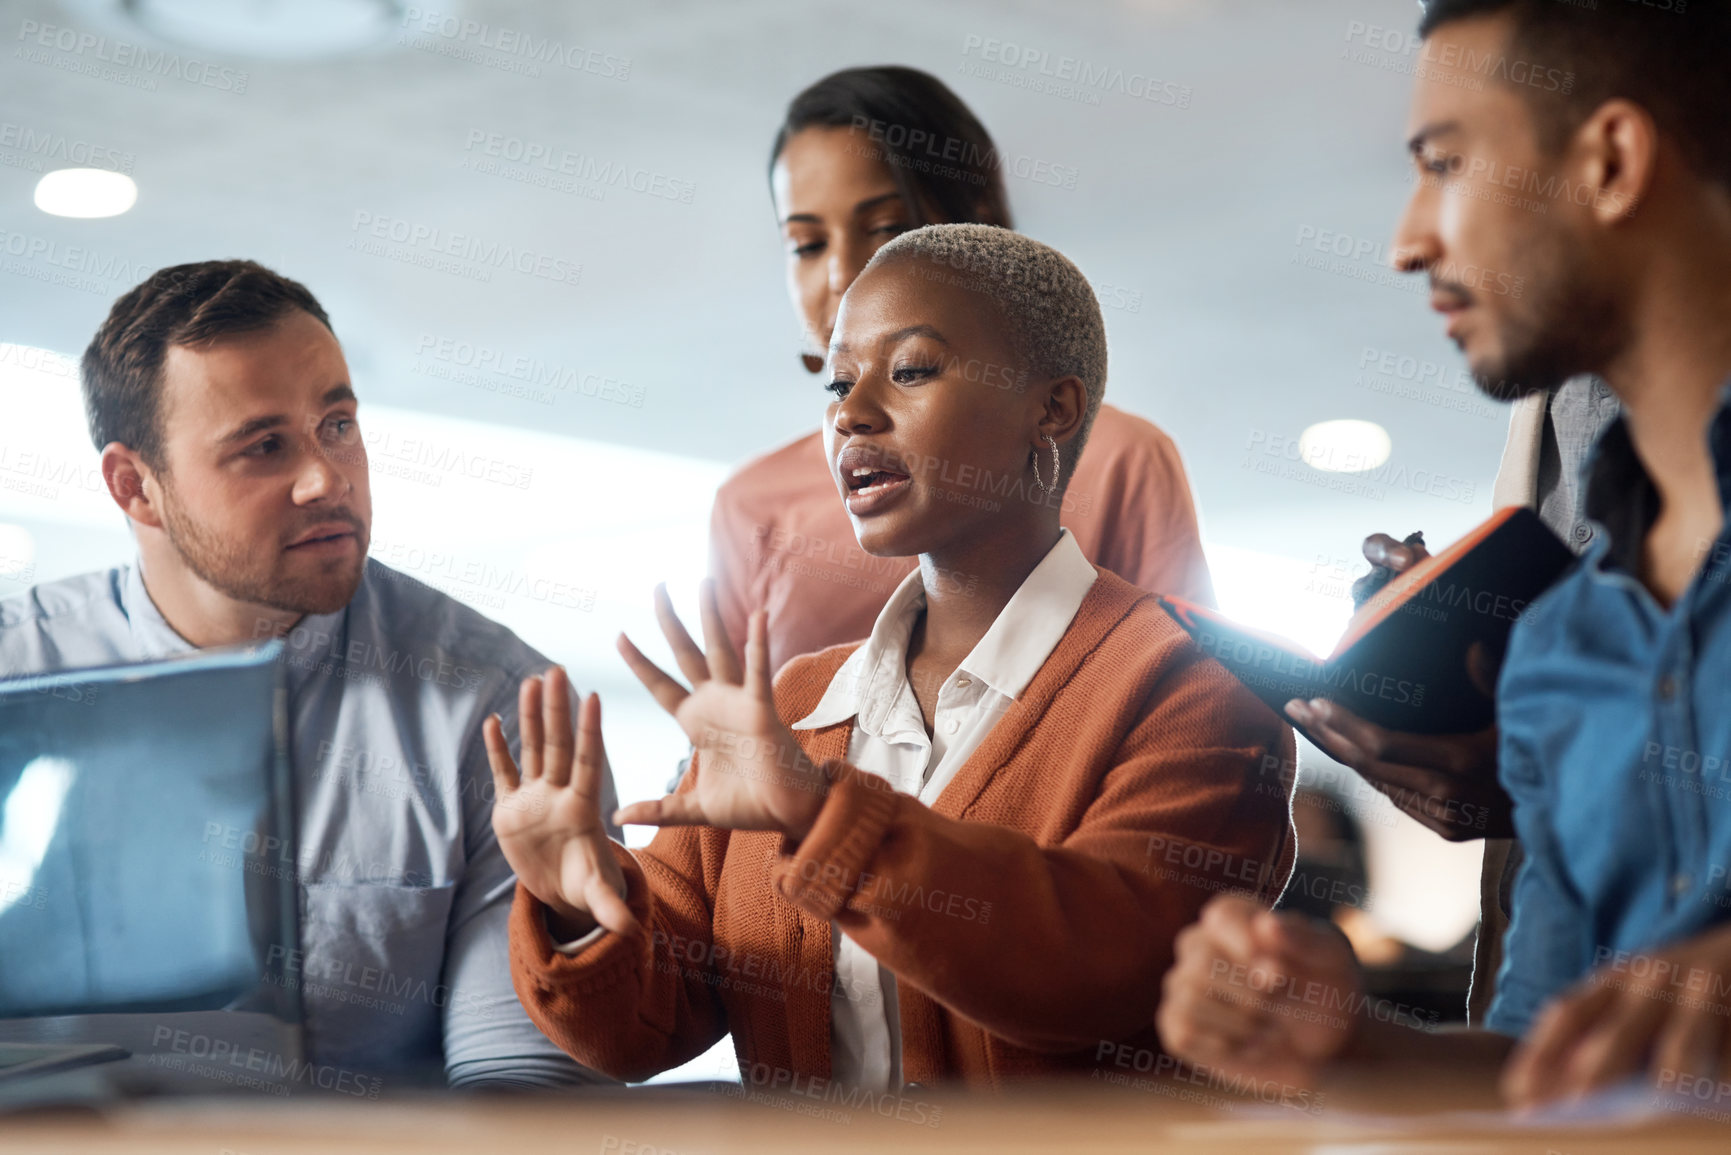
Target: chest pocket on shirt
372,961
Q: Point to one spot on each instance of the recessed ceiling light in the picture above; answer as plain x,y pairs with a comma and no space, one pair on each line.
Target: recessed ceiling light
1346,446
279,29
85,192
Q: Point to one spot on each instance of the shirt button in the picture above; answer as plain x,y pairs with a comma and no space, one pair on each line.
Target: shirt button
1667,687
1680,884
952,726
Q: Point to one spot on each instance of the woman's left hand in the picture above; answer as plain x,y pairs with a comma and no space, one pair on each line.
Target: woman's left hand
751,773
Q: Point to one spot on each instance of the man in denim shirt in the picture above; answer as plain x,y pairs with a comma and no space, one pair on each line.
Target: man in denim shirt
221,402
1615,697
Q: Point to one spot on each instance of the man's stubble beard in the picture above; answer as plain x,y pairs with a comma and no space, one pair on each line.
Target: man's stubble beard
236,573
1569,323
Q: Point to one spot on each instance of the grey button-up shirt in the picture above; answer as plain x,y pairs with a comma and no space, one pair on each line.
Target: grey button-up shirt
404,891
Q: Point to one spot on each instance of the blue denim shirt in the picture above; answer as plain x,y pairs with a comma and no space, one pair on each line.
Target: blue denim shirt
404,892
1616,747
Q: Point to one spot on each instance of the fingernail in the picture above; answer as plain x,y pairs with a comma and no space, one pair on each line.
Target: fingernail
1297,711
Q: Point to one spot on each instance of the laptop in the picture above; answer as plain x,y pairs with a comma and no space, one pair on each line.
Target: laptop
147,881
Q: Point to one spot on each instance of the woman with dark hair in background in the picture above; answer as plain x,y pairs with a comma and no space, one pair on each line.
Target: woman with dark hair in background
864,155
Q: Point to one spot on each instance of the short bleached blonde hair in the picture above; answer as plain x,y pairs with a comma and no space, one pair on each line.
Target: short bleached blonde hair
1050,311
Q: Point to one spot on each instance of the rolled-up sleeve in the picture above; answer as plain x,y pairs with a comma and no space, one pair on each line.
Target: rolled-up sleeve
489,1038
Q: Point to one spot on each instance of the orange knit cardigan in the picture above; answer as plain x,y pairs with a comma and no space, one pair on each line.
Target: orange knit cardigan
1028,915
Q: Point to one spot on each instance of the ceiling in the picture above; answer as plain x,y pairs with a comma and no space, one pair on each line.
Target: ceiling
677,335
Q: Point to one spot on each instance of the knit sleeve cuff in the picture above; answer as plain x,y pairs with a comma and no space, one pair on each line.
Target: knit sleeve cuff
603,962
824,871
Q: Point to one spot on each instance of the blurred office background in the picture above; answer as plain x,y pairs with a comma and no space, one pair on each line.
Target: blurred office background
547,427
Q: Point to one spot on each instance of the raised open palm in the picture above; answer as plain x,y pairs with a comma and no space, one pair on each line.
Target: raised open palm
548,816
751,774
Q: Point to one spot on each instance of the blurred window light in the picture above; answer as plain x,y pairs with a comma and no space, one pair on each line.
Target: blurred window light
1345,446
17,551
1306,601
85,193
28,822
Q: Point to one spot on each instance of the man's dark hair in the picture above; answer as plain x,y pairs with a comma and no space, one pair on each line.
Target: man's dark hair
192,304
1670,60
942,158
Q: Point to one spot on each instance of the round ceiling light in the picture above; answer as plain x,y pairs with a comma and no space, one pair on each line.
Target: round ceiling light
270,29
1345,446
85,192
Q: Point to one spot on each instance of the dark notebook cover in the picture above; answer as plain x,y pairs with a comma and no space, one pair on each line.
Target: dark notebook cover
1402,662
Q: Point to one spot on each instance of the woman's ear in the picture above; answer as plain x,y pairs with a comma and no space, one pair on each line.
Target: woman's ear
1066,404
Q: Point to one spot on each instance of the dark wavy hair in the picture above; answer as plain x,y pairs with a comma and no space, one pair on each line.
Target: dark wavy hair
181,305
1670,60
944,162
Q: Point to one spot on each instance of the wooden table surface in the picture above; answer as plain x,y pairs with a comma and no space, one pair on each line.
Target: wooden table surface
1360,1120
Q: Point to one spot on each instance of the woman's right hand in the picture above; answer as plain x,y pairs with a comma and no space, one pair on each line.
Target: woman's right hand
548,819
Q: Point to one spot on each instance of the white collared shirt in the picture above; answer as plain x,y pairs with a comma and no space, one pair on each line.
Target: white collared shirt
889,740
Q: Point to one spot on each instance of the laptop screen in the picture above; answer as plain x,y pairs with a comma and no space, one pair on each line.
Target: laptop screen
146,840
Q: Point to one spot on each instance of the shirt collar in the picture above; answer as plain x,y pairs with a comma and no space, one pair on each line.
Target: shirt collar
156,638
150,630
1620,496
1021,638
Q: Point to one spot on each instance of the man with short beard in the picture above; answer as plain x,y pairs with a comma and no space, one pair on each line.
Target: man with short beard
1614,738
221,402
